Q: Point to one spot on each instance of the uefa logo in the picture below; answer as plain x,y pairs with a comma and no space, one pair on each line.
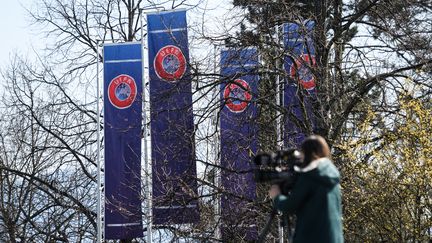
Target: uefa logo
170,63
237,95
122,91
301,70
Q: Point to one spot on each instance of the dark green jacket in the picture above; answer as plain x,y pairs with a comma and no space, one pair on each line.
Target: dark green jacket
316,201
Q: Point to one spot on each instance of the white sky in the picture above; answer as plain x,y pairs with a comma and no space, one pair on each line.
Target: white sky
16,32
19,36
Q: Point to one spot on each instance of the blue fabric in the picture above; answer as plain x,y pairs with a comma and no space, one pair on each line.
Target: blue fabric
238,142
298,41
122,136
172,128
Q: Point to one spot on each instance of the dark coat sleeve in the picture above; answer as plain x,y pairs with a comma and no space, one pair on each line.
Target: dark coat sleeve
301,191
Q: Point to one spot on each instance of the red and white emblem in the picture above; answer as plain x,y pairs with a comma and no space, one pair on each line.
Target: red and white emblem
237,95
170,63
301,70
122,91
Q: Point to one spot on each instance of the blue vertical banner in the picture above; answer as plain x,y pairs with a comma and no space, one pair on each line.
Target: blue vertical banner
300,83
122,135
172,130
238,127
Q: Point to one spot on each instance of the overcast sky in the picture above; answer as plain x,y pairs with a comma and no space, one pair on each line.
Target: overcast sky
18,36
16,33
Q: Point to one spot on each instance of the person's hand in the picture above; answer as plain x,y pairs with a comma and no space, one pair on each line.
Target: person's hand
274,191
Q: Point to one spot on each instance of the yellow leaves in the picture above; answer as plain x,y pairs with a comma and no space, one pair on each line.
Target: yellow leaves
419,70
370,116
390,171
408,80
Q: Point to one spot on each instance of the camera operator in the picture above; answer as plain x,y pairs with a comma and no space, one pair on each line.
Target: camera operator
315,197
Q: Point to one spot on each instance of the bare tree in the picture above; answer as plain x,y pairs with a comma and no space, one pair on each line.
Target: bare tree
45,170
365,53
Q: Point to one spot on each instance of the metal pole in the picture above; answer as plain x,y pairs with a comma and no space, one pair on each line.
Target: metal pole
279,91
99,186
278,119
218,233
146,161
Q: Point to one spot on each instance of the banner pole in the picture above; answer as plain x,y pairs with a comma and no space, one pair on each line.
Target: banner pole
279,132
218,232
99,194
146,163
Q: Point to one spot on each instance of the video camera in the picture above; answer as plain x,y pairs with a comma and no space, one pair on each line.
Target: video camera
278,168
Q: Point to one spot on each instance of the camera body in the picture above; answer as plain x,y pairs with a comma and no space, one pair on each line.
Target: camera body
278,168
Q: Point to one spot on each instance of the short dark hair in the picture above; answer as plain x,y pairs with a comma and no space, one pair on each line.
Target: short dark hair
315,147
